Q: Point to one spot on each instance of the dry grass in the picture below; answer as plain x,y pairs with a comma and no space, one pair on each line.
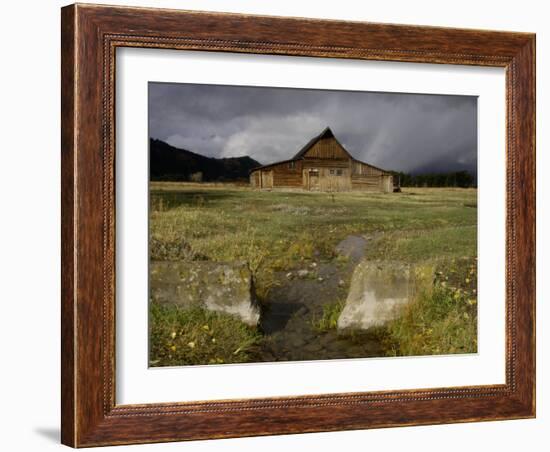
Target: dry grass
194,336
287,230
282,230
441,322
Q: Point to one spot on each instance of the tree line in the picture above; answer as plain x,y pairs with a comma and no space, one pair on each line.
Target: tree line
461,179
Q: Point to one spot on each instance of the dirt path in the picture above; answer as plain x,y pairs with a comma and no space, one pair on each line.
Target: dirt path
296,303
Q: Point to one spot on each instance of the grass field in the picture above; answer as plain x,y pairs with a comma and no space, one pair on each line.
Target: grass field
285,230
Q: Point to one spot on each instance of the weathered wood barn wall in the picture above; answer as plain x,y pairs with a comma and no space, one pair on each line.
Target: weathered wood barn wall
323,164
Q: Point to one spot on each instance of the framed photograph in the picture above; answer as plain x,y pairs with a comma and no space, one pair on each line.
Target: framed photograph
281,225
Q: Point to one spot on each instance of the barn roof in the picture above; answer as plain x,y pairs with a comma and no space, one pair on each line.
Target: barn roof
326,133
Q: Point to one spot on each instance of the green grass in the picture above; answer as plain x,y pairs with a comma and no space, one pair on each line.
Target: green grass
329,318
287,230
421,245
196,336
441,322
280,231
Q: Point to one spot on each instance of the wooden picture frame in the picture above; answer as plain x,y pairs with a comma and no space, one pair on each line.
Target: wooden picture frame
90,36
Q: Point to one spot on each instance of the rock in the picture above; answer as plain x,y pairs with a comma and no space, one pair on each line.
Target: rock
352,247
214,286
303,273
378,291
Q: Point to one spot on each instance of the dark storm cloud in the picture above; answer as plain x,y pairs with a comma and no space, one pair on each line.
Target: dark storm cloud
405,132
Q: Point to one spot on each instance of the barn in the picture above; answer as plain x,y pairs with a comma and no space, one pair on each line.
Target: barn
323,164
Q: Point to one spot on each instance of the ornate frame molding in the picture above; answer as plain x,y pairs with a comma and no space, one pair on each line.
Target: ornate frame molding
90,37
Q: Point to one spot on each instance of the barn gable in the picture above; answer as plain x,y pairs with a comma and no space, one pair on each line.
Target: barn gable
324,145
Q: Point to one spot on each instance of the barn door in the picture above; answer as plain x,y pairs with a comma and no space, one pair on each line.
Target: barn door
267,179
313,180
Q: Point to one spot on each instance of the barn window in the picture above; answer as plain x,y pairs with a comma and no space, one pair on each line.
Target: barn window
332,172
339,172
291,165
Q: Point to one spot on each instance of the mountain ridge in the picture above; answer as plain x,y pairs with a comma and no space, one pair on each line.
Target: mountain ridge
169,163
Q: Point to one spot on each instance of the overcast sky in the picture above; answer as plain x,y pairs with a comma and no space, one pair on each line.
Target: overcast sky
400,132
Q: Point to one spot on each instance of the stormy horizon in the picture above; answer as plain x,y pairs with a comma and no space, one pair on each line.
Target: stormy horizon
411,133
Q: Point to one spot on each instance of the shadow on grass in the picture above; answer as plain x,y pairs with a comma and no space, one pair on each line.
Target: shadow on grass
166,200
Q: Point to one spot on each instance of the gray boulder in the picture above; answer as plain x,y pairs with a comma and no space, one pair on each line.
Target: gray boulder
379,290
214,286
